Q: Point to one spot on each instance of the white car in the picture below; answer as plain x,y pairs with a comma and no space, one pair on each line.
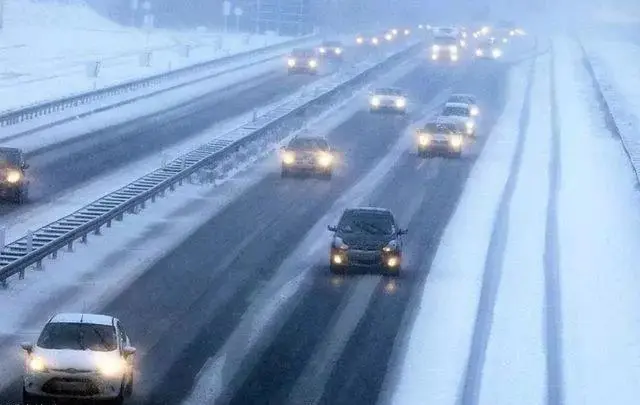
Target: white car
462,113
388,99
466,99
79,356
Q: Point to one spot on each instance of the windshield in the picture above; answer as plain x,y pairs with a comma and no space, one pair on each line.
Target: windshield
332,44
302,53
373,223
9,158
308,143
446,41
434,128
78,336
388,92
460,99
456,111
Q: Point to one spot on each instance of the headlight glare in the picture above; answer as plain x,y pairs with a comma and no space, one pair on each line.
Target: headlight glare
37,364
291,62
323,50
497,53
313,63
288,158
375,101
455,141
13,176
424,139
110,366
338,51
325,159
401,103
475,111
392,246
359,40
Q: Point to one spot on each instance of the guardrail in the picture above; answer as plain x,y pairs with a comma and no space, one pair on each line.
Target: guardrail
18,116
36,246
614,117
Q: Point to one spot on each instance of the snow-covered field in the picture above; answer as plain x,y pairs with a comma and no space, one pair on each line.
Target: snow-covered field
47,50
597,233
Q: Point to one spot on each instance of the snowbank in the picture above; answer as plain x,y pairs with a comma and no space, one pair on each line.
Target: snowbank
48,49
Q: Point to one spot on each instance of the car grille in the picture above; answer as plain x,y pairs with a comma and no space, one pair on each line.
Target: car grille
71,386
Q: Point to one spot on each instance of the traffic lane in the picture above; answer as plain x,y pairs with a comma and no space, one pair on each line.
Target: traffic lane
422,194
78,161
183,308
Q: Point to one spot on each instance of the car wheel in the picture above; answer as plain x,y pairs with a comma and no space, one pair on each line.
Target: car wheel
284,173
392,273
327,175
128,389
336,269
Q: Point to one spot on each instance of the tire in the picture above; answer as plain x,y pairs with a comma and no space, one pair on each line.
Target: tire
284,173
335,269
128,389
21,195
327,175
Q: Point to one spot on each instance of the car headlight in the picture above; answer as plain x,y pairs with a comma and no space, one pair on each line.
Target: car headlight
13,176
407,32
288,158
424,139
359,40
453,49
325,159
454,57
313,63
392,246
496,53
512,33
338,51
475,111
291,62
434,56
395,31
401,103
479,52
463,43
37,364
388,37
375,101
323,50
338,243
455,141
435,48
110,366
375,41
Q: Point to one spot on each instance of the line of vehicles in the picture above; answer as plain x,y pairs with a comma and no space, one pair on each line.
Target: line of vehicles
90,356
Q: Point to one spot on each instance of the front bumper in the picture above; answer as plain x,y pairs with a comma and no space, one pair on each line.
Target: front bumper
388,108
303,69
89,385
439,147
365,258
306,167
444,56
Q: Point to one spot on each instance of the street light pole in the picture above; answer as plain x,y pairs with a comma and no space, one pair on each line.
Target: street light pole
1,15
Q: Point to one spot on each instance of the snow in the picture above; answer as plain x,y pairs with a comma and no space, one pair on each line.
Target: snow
437,346
515,356
91,276
79,317
44,60
599,237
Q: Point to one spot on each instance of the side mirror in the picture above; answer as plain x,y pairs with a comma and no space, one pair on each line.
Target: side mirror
129,351
27,347
403,231
332,228
25,165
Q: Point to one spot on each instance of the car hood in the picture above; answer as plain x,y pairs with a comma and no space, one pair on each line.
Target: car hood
365,241
79,360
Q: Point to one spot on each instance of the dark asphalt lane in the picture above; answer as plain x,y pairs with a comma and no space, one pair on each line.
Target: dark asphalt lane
70,164
181,311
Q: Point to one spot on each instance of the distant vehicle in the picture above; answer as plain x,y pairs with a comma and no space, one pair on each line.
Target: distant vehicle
331,49
375,40
308,154
366,237
451,32
462,113
79,356
488,49
14,185
303,61
442,136
445,48
466,99
388,99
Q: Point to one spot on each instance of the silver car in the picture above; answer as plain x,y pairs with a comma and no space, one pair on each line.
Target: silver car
388,100
79,356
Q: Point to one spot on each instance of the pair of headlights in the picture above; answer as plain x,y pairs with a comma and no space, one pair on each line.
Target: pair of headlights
312,63
455,141
392,246
106,365
323,158
399,102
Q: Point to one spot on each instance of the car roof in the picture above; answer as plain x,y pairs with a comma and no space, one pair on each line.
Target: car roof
457,105
94,319
10,150
442,119
376,210
462,95
385,89
309,138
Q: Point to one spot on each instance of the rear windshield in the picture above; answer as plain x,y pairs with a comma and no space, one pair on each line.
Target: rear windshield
440,128
446,41
373,223
78,336
388,92
455,111
308,143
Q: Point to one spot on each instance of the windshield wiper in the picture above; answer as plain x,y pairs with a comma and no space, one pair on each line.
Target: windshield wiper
103,341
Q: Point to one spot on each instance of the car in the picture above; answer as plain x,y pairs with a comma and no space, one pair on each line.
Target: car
388,99
445,48
488,49
462,113
466,99
375,40
14,185
303,60
307,154
366,237
331,49
443,136
79,356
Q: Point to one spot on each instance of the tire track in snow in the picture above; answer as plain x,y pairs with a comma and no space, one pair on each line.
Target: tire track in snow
551,260
472,377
